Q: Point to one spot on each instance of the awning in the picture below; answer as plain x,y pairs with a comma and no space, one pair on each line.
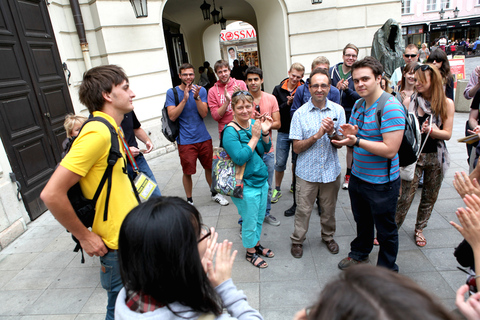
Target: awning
459,23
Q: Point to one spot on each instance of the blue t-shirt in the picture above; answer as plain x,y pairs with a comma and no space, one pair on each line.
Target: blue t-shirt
192,126
368,166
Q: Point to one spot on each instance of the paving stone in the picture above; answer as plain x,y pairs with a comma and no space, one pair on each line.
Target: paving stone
413,261
18,301
77,278
97,303
434,283
252,291
300,293
47,260
455,279
279,313
60,301
90,316
38,279
15,261
51,317
442,258
6,276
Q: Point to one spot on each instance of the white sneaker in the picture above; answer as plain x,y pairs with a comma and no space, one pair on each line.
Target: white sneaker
271,220
220,199
190,202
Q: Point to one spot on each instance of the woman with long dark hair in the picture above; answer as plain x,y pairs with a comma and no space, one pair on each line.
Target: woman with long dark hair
435,114
439,59
165,255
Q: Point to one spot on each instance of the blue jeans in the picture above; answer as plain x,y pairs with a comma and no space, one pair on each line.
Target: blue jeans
143,167
252,208
111,280
269,160
282,149
375,205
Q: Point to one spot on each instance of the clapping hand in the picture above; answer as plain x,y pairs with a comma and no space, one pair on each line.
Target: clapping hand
266,122
464,185
223,264
211,248
471,307
469,218
349,132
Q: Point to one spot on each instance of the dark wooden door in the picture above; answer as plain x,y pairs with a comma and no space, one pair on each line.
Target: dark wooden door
34,97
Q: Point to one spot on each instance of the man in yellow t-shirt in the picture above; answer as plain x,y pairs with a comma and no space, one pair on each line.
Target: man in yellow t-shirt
106,93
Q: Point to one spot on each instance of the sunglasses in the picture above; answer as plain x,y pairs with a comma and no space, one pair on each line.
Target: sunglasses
236,93
423,67
410,55
205,232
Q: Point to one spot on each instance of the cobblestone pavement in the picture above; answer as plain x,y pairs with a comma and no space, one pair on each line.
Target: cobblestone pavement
41,278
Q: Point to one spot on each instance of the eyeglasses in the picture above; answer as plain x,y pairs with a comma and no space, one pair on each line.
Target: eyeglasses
316,86
205,232
423,67
350,55
236,93
411,55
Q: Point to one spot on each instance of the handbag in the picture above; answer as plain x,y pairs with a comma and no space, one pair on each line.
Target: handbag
408,172
227,177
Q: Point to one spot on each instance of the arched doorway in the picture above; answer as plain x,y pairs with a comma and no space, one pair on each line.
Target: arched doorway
268,18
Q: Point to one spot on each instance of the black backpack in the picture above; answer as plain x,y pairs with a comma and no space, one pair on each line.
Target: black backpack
170,129
85,208
411,143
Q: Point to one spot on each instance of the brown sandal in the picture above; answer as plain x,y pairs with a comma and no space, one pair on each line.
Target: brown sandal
419,238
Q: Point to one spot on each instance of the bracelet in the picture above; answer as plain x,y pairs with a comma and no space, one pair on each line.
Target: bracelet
431,130
264,135
357,142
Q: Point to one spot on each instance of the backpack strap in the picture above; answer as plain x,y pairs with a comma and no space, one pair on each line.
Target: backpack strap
378,116
113,156
177,102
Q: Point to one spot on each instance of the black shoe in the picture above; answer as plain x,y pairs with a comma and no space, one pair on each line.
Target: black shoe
291,212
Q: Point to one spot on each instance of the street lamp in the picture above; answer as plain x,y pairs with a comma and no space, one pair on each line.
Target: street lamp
455,12
442,13
140,8
223,21
205,10
215,14
316,1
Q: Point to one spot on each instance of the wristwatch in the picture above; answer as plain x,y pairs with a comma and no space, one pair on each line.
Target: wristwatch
197,98
333,134
357,142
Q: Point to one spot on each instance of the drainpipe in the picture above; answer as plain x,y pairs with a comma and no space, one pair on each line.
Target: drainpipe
77,18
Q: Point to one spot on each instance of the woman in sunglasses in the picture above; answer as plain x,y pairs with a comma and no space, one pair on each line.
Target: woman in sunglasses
435,114
165,256
246,140
439,59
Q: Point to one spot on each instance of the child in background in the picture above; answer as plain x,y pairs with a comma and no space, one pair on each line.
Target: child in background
73,123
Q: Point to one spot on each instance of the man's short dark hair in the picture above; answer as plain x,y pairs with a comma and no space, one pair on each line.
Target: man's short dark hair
369,62
254,70
231,48
185,66
96,81
221,64
319,71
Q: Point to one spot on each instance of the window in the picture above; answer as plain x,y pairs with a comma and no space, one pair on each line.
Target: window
437,5
406,6
431,5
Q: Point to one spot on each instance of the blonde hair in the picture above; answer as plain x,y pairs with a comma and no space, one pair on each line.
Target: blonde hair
438,100
297,66
70,120
320,60
241,96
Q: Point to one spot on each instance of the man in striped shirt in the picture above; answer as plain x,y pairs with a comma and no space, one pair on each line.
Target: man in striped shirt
375,181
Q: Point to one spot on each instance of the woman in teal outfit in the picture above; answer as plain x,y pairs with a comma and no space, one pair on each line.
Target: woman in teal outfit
246,140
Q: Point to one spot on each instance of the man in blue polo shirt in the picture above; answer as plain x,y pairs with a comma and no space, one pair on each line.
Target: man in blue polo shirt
373,189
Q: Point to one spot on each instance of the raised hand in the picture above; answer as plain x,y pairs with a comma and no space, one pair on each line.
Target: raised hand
224,259
469,308
348,129
196,91
266,122
464,185
211,248
470,221
228,97
186,92
257,129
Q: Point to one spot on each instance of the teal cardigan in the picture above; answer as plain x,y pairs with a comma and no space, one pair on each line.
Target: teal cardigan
236,145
